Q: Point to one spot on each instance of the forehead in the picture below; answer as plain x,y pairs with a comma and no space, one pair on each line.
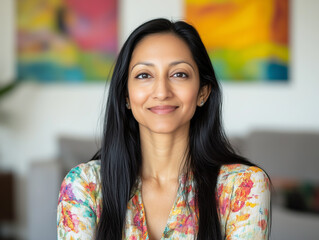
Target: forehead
161,46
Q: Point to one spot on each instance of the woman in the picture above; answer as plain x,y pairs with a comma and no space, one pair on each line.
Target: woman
165,169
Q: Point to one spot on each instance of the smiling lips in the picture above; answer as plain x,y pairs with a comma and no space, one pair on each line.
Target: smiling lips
163,109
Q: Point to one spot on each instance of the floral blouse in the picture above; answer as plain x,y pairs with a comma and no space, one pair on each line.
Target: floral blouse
243,197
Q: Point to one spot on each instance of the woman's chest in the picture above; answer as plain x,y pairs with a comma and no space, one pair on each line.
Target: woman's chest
168,217
158,202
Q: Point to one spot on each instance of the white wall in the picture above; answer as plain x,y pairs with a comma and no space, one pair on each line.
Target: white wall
6,41
34,115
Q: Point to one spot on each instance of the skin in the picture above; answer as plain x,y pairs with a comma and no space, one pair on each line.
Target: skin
163,94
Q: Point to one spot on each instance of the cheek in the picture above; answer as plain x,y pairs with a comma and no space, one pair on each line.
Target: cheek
189,96
137,97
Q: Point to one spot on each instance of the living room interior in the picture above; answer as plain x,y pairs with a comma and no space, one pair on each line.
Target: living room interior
46,128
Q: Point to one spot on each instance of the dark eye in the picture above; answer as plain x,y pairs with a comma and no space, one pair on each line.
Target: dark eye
180,75
143,76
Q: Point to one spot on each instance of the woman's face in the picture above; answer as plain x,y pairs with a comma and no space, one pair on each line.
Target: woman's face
163,84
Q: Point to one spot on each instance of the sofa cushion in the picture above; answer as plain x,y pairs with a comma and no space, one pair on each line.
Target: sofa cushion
291,155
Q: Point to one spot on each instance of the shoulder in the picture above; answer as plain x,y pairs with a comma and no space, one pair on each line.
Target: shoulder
82,180
236,174
240,186
89,171
79,205
243,196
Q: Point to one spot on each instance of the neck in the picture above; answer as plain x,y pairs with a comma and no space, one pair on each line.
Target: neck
163,155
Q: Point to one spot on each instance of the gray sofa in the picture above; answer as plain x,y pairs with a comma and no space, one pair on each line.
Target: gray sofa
284,155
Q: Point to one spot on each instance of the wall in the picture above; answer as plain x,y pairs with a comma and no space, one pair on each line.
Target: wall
6,41
282,106
34,115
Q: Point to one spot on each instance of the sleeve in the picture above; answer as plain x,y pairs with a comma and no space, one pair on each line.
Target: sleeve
76,213
247,216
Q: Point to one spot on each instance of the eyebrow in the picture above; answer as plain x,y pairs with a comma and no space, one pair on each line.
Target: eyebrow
171,64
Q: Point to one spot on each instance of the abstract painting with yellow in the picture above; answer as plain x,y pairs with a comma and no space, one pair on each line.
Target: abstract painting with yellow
247,40
66,40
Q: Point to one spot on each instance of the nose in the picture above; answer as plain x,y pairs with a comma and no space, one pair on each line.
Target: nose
162,88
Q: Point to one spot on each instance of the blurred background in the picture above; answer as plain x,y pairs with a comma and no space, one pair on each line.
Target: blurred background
53,88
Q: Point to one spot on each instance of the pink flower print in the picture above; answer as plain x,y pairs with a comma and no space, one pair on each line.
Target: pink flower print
242,193
224,205
183,224
66,192
137,221
220,190
90,187
262,224
70,221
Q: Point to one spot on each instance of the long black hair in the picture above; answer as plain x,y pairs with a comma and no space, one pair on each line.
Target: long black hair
120,152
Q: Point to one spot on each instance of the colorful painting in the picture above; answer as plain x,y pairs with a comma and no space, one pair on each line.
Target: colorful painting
247,40
66,40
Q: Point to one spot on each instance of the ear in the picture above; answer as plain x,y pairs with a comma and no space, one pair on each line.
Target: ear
203,95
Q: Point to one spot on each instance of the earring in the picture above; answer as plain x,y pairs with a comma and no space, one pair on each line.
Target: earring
201,103
127,105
